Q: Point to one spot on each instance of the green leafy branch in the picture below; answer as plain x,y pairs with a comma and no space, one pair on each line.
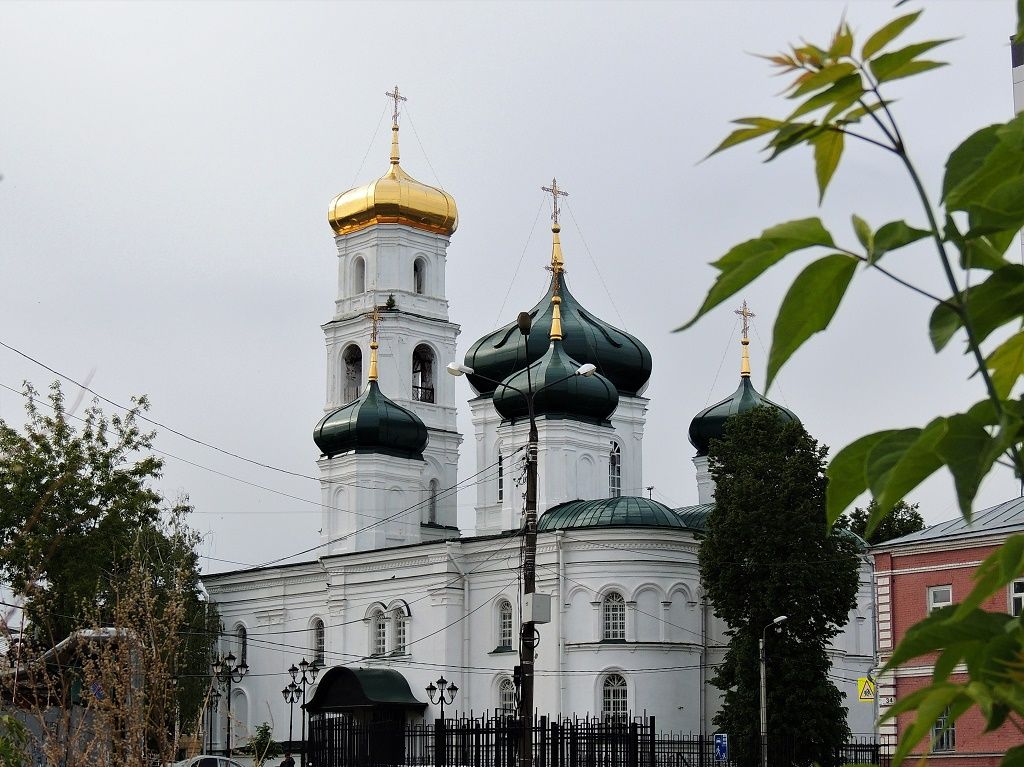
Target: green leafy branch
838,97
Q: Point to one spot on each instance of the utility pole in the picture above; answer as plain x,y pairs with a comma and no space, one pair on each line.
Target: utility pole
764,687
527,638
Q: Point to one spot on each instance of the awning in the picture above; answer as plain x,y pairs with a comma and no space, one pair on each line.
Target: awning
344,689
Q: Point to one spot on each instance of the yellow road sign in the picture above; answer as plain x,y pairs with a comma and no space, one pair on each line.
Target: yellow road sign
866,689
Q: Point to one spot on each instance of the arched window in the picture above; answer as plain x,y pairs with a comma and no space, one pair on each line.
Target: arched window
432,502
399,622
352,358
613,617
505,625
614,698
423,374
358,276
319,642
419,275
378,633
615,471
501,479
241,638
507,703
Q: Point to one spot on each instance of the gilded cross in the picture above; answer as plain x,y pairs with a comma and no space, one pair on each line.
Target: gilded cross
397,97
375,320
555,194
746,314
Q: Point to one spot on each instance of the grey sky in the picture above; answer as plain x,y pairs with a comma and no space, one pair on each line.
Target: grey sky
167,170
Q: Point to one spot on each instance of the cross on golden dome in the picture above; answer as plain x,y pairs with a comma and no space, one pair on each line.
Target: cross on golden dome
396,96
555,194
746,314
375,320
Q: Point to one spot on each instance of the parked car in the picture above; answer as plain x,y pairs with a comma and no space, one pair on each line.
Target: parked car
207,760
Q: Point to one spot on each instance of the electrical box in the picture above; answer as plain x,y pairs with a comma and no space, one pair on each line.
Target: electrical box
536,608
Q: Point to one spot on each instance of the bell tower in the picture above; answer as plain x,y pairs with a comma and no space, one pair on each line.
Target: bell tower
392,240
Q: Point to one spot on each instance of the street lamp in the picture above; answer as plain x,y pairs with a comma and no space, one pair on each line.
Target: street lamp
304,676
443,693
527,638
291,695
764,696
226,670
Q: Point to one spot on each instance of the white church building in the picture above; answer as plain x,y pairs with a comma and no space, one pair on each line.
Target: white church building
395,585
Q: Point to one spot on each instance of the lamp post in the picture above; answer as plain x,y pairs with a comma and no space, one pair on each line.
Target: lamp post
527,638
291,697
226,670
211,713
302,677
443,692
764,696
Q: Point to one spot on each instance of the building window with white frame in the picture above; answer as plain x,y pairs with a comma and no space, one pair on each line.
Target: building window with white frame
352,357
613,617
507,703
358,276
319,642
944,733
432,502
378,633
501,479
419,276
423,374
614,698
505,626
399,622
939,597
1017,597
243,644
615,471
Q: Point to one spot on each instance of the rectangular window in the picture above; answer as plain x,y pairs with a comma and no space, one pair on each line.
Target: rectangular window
944,733
1017,597
399,633
939,596
501,479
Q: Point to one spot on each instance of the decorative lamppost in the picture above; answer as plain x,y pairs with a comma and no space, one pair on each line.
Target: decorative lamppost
291,694
302,677
211,713
528,640
443,692
225,670
764,696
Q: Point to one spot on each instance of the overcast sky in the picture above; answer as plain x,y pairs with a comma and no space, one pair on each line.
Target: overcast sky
167,170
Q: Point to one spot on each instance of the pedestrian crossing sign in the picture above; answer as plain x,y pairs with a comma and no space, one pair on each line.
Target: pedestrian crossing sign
866,689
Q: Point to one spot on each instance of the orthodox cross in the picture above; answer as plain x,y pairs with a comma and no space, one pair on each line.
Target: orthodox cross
375,320
397,97
555,194
746,314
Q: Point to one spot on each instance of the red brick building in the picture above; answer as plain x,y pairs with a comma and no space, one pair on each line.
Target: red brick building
927,570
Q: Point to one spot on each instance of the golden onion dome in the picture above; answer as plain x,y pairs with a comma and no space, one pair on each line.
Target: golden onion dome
394,198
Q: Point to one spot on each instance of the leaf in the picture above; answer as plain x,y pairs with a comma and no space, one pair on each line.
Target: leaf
828,148
747,261
936,700
895,235
822,77
739,136
841,89
809,306
943,324
847,473
969,452
790,136
988,180
887,34
842,42
999,568
967,158
982,251
913,68
854,115
1006,364
989,305
899,463
937,632
885,65
864,234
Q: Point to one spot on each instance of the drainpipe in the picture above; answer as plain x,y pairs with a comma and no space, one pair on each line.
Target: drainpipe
559,538
464,654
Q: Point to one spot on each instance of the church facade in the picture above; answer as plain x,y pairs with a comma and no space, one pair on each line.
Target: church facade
395,585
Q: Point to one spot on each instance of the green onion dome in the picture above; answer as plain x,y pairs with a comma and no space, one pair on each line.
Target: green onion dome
709,423
623,359
623,511
371,424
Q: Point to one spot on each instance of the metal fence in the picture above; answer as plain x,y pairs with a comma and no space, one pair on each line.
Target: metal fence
339,741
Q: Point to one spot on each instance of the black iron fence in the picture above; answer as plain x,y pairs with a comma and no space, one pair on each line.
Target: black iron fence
337,740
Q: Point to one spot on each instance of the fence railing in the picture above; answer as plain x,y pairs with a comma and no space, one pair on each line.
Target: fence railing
339,741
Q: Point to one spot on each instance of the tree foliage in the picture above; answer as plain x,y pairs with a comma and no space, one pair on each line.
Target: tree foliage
838,97
80,525
902,520
767,553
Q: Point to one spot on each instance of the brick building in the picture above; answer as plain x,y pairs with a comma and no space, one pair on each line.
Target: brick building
927,570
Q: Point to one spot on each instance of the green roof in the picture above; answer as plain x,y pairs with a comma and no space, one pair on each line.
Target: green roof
695,517
709,423
342,688
624,511
371,423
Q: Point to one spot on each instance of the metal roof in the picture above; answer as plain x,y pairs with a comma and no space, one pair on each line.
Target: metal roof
1003,519
622,511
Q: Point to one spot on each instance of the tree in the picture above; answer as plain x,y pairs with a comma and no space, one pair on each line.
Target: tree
262,745
902,520
81,529
767,553
838,90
